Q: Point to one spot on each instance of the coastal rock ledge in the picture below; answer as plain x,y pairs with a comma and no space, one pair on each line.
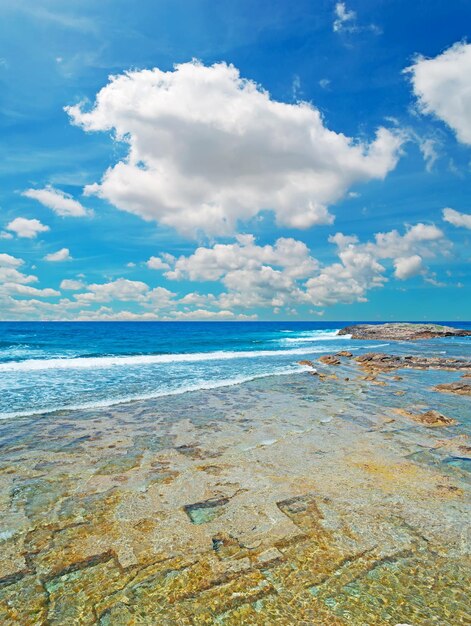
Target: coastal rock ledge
402,331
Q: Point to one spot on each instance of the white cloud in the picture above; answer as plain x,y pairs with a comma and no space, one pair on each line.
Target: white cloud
24,227
156,263
60,202
121,289
108,314
13,282
222,259
6,260
442,86
61,255
9,272
203,314
347,281
5,235
456,218
344,19
26,290
409,266
254,275
286,274
208,148
360,269
429,152
72,285
282,276
425,239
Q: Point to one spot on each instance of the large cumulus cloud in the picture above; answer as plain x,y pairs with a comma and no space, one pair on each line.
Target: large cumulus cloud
443,88
208,148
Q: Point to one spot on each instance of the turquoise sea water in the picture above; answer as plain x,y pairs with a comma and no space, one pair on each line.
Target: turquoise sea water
60,365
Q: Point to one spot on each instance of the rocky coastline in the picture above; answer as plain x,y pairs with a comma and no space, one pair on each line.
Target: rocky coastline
399,331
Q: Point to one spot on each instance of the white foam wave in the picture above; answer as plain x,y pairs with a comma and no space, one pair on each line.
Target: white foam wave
145,359
202,386
319,337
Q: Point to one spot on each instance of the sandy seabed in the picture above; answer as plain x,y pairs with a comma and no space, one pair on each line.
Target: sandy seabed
285,500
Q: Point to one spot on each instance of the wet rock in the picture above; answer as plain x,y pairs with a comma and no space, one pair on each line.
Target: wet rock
329,359
402,332
306,362
344,353
462,389
374,362
269,556
429,418
206,511
226,546
24,602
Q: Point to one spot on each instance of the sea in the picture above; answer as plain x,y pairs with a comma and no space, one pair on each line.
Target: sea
57,366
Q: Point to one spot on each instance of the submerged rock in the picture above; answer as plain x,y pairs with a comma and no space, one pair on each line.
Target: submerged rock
329,359
462,389
402,331
429,418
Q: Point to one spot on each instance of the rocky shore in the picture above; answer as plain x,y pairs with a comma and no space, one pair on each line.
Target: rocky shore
402,331
375,363
336,497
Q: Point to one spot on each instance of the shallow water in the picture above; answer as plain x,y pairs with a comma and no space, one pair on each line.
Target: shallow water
64,365
282,500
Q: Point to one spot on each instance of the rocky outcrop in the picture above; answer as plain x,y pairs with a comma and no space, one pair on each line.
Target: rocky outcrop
381,362
402,331
430,418
462,389
306,362
329,359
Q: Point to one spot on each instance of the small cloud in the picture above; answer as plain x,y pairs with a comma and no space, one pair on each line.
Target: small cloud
28,229
5,235
60,202
406,267
296,88
72,285
432,280
156,263
346,21
429,152
130,264
456,218
324,83
61,255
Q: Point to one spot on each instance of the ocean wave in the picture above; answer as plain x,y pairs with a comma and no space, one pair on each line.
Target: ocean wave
145,359
316,337
202,386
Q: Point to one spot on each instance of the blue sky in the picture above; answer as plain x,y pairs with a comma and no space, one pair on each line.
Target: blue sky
234,169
